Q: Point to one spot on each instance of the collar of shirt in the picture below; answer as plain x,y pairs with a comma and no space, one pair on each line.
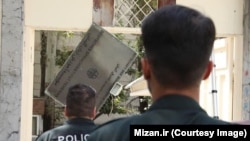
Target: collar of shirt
176,102
79,121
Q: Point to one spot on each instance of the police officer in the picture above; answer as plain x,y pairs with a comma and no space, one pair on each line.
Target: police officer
80,110
178,43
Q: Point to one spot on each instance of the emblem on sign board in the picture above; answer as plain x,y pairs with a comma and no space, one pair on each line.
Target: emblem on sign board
92,73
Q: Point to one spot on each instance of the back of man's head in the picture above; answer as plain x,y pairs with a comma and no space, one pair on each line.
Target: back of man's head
178,43
80,101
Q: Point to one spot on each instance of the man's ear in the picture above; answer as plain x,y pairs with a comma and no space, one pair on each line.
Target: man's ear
208,70
94,113
145,68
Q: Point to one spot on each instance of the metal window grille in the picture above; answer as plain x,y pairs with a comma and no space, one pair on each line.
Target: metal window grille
130,13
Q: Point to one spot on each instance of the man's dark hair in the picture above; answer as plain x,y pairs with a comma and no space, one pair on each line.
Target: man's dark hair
178,42
80,100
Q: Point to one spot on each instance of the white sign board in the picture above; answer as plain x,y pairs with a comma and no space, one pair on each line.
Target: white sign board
99,60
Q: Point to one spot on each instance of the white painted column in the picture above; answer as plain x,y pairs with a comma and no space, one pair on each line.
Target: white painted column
238,79
27,84
16,79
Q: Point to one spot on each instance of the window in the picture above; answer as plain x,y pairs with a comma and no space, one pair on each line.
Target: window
36,122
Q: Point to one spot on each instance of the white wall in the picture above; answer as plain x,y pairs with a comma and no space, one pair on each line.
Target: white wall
27,85
227,14
58,14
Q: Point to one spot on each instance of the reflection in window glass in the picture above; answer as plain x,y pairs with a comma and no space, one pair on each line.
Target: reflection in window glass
34,125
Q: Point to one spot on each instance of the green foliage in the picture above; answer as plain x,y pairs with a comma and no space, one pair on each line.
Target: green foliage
66,34
62,56
137,46
113,104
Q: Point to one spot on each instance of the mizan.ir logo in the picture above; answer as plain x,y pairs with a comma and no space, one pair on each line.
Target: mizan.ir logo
92,73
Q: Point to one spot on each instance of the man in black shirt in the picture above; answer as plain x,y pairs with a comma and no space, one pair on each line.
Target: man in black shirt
178,43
